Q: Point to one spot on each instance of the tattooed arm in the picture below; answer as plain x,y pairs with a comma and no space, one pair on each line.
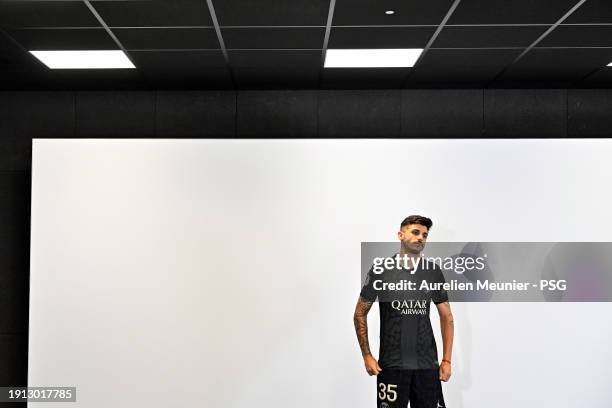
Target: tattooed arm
447,326
360,319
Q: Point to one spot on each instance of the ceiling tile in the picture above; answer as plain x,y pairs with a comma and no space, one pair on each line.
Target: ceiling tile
592,11
281,45
167,38
13,56
258,69
273,37
579,36
363,78
558,64
276,78
601,78
154,13
69,79
64,39
272,12
380,37
20,79
368,12
487,36
9,62
182,69
276,59
177,63
94,78
510,12
474,66
45,14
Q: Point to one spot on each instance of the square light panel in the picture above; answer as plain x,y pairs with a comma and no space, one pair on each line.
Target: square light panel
87,59
372,58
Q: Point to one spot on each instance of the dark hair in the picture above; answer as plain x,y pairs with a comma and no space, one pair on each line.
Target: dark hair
417,219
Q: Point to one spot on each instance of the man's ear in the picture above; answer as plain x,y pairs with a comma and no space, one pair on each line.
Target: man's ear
400,234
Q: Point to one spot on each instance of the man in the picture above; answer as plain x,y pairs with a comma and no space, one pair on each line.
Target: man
408,368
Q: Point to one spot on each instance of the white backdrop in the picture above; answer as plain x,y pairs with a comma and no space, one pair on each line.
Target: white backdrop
224,273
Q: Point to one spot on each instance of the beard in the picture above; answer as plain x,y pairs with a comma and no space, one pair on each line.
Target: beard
413,247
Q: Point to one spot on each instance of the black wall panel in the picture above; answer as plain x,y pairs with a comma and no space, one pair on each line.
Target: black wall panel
28,115
442,113
373,113
525,113
276,114
14,277
195,114
14,251
589,113
13,355
115,114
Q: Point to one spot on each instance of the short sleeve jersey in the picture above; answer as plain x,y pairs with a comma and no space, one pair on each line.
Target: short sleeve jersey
406,335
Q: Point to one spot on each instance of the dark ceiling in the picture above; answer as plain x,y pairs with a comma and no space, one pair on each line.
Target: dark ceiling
272,44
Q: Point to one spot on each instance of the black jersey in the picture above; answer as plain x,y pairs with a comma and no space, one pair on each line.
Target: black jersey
406,336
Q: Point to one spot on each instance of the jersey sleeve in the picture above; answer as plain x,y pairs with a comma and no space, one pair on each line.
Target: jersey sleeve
441,295
367,290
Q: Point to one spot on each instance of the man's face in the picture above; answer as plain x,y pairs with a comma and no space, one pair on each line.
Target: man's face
413,237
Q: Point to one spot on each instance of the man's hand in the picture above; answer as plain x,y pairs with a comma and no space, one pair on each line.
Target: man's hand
445,371
371,365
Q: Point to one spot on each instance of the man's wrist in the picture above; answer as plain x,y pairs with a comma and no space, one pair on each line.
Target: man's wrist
444,360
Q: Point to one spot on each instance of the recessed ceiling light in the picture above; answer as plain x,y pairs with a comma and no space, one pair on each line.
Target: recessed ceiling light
84,59
372,58
389,12
610,64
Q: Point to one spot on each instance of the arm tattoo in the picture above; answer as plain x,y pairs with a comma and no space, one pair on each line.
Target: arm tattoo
449,318
361,324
